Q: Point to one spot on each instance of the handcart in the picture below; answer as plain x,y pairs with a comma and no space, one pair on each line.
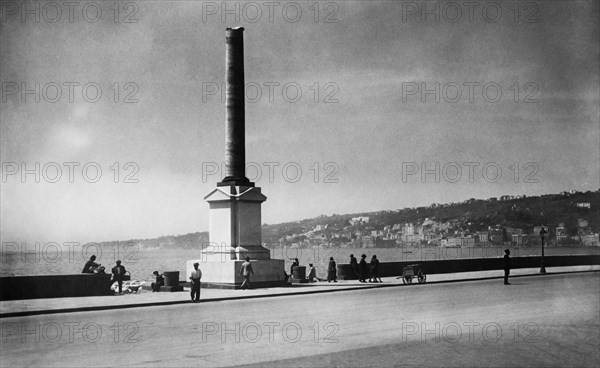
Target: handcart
413,271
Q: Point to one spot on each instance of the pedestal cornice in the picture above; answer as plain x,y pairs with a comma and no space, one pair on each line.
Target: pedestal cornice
240,193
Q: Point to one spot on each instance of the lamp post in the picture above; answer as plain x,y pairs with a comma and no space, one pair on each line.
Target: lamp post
543,235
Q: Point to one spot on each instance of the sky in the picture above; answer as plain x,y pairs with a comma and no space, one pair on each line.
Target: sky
112,121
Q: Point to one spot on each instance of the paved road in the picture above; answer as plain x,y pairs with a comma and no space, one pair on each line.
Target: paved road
550,321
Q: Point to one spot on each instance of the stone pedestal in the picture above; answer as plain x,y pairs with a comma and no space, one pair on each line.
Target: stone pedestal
234,234
226,275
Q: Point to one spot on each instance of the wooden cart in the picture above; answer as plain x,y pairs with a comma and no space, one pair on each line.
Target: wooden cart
413,271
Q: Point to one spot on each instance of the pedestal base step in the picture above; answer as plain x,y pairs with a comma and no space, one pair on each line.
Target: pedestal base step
265,272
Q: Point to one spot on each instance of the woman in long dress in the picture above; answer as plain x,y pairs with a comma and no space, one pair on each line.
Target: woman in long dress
362,266
331,271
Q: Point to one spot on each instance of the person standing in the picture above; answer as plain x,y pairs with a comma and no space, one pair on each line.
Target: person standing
362,266
331,271
375,269
506,266
245,271
354,265
118,274
195,278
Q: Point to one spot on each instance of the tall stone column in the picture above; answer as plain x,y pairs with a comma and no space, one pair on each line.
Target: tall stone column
235,119
235,204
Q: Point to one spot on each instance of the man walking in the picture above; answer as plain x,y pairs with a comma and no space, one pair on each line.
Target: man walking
354,265
506,266
195,278
331,271
118,273
245,271
375,269
362,267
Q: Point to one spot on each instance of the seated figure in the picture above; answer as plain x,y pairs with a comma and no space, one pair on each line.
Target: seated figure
160,281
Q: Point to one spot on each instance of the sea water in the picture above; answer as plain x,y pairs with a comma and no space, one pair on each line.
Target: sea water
141,262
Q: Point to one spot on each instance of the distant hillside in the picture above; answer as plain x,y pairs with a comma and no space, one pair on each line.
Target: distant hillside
186,241
471,215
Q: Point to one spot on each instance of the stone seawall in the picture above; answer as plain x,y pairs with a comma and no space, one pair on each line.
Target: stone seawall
54,286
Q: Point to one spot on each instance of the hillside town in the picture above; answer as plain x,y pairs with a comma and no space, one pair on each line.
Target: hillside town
364,232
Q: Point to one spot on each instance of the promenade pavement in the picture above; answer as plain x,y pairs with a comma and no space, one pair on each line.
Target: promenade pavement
146,298
538,321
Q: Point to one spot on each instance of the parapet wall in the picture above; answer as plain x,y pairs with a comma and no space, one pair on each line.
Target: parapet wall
54,286
387,269
75,285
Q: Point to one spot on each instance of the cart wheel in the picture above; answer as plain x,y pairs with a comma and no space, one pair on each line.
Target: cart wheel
422,278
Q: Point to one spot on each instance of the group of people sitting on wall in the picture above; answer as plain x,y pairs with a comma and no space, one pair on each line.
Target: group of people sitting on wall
92,267
312,271
118,273
361,269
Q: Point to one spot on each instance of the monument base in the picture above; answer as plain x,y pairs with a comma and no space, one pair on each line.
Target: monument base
226,274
